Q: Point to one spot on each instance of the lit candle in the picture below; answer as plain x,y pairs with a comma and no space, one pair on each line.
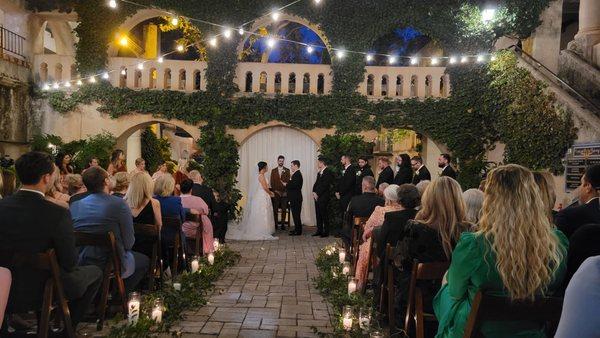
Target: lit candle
364,318
134,307
328,252
157,311
216,244
195,264
376,334
352,285
211,258
346,268
177,286
347,320
342,255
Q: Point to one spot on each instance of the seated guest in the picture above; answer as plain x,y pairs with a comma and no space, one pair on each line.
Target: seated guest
382,188
180,174
545,183
9,183
144,208
571,218
160,171
31,224
119,183
93,162
375,220
74,184
361,206
197,206
170,206
579,316
473,200
220,217
63,162
516,252
99,213
55,194
582,245
5,281
202,190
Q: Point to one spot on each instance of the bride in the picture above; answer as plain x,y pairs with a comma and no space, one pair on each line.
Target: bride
257,222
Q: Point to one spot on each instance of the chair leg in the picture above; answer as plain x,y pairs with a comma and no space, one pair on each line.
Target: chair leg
152,269
44,323
419,321
121,289
175,264
103,300
390,300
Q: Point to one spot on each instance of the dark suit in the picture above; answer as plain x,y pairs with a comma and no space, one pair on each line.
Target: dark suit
582,245
385,176
294,194
422,174
364,172
322,188
280,200
404,175
449,171
346,186
392,229
31,224
360,206
570,219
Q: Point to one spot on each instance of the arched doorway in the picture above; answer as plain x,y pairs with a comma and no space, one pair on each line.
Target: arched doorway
266,145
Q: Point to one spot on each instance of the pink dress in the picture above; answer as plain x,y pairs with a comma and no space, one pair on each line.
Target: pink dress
189,227
364,252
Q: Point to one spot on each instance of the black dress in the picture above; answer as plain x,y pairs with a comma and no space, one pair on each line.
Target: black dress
143,244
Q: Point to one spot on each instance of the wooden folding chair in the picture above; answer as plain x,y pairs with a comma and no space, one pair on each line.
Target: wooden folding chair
195,242
151,231
543,310
356,237
54,295
414,310
370,265
386,293
177,253
112,270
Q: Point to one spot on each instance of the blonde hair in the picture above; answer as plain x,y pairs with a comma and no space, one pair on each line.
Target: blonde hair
140,190
120,181
74,183
545,183
515,223
443,208
473,200
55,185
164,185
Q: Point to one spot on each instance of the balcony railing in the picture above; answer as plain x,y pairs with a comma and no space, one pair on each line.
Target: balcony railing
254,77
12,43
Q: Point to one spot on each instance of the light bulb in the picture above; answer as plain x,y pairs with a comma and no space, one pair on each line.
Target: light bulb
464,59
140,66
56,85
174,21
227,33
123,72
452,60
79,83
414,60
241,31
480,58
180,48
369,57
271,42
317,1
392,59
493,58
309,49
340,54
92,79
68,84
160,59
213,42
112,4
275,15
434,61
46,87
488,14
123,41
105,76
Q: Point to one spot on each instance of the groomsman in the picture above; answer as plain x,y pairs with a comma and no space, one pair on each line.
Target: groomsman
421,171
444,163
279,176
321,192
364,170
346,184
294,193
386,175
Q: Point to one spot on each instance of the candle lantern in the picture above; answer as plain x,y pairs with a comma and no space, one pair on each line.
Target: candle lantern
211,258
134,307
352,283
346,268
347,318
216,244
328,252
177,286
376,334
195,264
342,255
364,318
157,311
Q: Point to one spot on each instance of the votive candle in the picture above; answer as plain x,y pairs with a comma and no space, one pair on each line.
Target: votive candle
177,286
211,258
346,268
134,307
347,319
342,255
195,264
352,285
157,311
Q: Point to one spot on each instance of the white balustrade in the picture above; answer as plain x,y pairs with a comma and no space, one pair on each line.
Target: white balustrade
254,77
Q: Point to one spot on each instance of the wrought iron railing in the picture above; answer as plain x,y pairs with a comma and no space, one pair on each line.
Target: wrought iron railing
12,42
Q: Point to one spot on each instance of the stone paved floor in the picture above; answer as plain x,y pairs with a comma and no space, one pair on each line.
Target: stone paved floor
269,293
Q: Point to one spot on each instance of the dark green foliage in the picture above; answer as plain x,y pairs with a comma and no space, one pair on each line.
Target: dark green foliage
154,150
99,146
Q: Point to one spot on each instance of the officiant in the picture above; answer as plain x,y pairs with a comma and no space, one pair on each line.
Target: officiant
279,176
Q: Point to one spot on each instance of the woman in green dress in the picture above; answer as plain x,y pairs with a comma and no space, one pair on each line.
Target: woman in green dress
516,252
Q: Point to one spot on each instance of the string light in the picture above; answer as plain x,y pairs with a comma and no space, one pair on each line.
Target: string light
275,15
79,83
452,60
123,72
123,41
68,84
55,85
317,1
271,42
369,57
480,58
434,61
213,41
487,15
175,21
392,60
340,53
46,87
414,60
464,59
493,58
112,4
140,66
92,79
241,31
180,48
160,59
105,76
309,49
227,33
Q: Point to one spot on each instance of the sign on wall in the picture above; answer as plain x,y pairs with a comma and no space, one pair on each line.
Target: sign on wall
579,157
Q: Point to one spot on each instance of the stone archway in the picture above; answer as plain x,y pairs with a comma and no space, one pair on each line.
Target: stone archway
132,21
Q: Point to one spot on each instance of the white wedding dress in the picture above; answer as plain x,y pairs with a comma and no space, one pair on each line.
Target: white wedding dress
257,222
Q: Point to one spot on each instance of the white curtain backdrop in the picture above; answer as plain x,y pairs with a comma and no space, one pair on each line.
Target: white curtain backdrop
269,143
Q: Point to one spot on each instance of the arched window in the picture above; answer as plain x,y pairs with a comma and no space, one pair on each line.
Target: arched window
123,77
292,83
167,80
370,84
43,72
197,80
306,84
137,80
277,82
414,82
181,81
248,82
263,82
428,85
384,85
321,84
399,85
58,72
73,71
153,74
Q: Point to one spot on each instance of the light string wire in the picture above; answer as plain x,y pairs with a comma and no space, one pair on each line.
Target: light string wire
271,41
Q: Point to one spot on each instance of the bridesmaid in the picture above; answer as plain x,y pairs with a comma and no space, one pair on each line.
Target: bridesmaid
117,162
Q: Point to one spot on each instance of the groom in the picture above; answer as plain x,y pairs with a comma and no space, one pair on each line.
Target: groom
280,175
294,194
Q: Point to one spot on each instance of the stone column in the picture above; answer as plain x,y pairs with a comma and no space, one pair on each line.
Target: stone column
546,38
588,35
134,148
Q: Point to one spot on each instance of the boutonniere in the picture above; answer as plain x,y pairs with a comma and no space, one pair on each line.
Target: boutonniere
358,173
344,172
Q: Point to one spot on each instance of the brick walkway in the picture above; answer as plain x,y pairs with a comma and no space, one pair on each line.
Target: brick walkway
269,293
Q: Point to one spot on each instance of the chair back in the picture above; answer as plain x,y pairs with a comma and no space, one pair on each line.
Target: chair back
171,222
356,236
178,243
196,241
487,307
151,232
105,241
